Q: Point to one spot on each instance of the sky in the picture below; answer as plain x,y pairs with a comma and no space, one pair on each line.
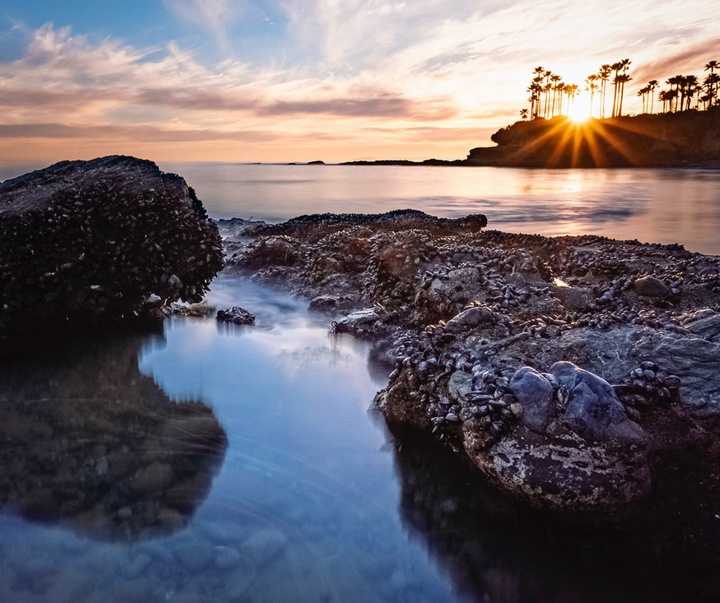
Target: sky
304,80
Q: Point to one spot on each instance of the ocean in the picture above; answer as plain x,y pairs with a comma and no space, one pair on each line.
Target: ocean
105,497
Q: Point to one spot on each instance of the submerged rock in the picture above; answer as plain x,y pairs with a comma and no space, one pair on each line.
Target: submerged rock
86,242
236,315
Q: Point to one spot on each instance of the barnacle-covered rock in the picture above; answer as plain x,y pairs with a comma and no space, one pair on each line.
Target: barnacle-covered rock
460,312
85,242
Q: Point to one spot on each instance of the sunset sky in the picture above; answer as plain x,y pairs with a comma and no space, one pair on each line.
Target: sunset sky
299,80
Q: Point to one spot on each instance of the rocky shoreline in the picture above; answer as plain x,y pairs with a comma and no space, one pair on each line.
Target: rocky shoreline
568,371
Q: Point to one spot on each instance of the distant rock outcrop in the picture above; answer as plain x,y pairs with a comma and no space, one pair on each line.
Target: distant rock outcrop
85,242
662,140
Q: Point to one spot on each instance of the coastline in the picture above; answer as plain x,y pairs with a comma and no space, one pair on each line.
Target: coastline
456,312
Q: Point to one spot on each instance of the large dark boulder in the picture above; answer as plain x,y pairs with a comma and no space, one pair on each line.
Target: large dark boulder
85,242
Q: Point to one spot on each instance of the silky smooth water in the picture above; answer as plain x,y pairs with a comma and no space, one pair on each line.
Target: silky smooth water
651,205
205,463
212,463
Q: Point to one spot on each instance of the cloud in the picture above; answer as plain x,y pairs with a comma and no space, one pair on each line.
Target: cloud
692,59
359,70
133,133
213,16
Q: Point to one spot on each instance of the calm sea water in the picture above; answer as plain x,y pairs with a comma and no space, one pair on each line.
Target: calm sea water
652,205
201,463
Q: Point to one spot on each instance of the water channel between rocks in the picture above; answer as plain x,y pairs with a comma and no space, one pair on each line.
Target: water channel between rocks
208,463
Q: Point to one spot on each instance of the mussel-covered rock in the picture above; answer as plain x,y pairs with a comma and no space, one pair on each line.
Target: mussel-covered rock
235,315
460,314
85,242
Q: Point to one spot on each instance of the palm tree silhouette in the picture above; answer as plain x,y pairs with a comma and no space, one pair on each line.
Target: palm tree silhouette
652,84
677,82
711,81
622,79
692,87
592,88
642,93
557,86
604,76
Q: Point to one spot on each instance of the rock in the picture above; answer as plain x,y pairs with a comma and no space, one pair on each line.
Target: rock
264,545
236,315
650,286
535,393
704,323
460,385
592,405
567,472
87,242
469,319
227,558
695,361
195,556
324,303
458,309
356,320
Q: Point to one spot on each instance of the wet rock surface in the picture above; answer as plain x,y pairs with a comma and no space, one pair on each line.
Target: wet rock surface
235,315
87,242
566,369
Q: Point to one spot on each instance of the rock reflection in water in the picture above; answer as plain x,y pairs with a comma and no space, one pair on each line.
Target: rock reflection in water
91,443
497,551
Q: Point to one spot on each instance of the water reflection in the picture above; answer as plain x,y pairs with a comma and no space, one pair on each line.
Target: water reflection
653,205
311,499
90,443
497,551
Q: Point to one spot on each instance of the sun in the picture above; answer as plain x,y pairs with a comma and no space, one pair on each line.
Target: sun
579,111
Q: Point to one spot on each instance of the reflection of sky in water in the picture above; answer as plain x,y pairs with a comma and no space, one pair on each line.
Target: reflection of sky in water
654,205
312,500
304,458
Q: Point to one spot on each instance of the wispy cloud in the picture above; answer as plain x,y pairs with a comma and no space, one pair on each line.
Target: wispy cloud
374,74
213,16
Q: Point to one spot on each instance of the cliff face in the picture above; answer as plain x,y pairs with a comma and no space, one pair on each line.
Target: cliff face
664,140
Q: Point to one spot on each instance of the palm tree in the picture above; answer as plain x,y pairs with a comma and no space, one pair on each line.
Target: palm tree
591,87
642,93
691,87
664,98
535,88
709,85
674,81
616,67
652,84
711,66
556,87
546,89
603,76
524,113
623,79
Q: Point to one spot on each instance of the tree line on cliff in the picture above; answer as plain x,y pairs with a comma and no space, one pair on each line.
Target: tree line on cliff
550,96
